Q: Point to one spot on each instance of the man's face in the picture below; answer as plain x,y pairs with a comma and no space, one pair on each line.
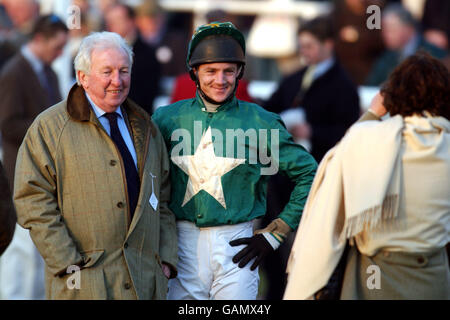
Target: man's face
312,50
21,11
118,21
108,81
51,48
395,33
217,80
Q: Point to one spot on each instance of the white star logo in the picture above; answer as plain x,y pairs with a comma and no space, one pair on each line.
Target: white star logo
205,170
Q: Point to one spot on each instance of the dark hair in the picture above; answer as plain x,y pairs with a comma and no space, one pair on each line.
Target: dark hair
319,27
420,83
48,26
131,13
401,13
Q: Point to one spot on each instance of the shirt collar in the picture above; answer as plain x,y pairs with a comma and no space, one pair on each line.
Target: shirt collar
411,46
34,61
323,67
98,111
230,104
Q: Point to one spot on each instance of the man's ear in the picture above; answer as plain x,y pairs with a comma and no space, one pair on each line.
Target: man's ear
82,76
193,73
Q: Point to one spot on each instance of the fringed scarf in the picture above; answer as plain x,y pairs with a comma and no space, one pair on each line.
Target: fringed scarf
371,174
356,188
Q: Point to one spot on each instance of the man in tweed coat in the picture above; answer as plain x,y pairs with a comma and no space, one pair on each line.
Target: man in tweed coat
95,203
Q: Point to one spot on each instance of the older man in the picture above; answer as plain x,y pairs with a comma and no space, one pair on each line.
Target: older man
92,185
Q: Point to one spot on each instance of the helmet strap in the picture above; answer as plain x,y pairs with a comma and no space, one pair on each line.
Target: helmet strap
210,100
241,72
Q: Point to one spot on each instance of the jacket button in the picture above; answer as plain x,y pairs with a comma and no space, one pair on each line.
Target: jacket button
127,286
125,245
113,163
120,205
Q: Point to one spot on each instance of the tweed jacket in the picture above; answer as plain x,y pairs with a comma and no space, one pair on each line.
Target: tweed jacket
22,98
70,192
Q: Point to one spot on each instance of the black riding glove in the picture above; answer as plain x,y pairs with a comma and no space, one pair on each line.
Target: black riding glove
257,246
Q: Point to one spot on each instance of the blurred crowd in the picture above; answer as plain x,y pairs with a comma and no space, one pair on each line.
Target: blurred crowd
315,89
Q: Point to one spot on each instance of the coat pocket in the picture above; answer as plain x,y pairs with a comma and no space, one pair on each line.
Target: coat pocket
87,283
161,281
92,257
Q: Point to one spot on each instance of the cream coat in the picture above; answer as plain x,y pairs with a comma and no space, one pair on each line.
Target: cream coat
351,196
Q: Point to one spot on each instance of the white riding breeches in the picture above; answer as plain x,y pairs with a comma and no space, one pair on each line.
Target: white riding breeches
205,266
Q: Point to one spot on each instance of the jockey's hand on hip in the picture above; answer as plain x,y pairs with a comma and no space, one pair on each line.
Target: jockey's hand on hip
257,247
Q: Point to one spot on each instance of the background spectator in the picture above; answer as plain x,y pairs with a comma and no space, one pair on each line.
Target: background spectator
28,85
436,23
402,38
146,71
167,33
18,17
323,89
357,47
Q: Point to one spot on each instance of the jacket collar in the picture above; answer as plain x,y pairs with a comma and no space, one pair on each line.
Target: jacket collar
138,121
79,109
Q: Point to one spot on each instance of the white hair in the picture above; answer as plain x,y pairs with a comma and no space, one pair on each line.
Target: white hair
98,40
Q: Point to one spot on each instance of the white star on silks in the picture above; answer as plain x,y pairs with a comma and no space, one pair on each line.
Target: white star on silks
205,170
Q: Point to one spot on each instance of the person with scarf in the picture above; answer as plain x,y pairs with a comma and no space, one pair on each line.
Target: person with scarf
384,189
